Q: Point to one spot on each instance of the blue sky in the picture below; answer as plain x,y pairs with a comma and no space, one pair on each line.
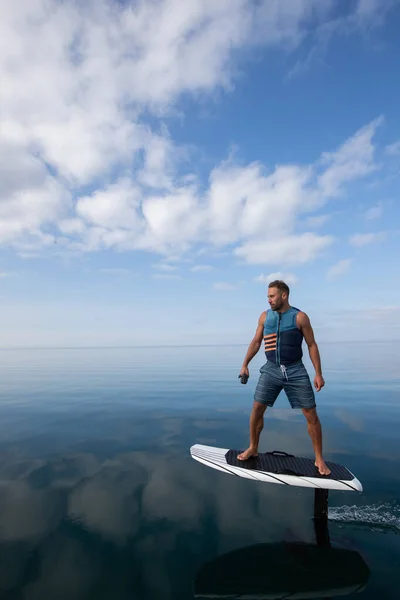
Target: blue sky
161,161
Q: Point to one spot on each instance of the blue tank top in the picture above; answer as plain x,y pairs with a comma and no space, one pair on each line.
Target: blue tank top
282,338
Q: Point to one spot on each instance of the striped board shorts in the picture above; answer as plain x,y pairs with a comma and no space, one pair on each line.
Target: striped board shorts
293,379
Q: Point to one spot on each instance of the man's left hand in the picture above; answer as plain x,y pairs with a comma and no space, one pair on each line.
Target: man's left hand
319,382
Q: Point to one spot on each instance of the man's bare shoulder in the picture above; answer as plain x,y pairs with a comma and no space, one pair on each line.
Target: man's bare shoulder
262,318
302,319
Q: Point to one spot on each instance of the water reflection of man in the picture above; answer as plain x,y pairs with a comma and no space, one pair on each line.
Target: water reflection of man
283,329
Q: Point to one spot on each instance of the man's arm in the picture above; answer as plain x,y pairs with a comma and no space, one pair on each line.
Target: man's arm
255,344
304,324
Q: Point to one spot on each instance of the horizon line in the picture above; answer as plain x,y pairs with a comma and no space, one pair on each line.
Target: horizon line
155,345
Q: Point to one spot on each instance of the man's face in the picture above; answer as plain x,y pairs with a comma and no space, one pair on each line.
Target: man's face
275,298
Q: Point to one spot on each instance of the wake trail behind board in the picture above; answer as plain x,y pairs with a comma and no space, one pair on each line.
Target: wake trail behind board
276,467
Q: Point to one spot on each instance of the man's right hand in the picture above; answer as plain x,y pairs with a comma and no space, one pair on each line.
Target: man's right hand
253,348
244,374
244,371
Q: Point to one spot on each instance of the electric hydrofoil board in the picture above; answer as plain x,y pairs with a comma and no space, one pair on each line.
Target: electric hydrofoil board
277,467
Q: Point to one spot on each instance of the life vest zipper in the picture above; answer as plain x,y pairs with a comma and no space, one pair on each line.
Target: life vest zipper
278,357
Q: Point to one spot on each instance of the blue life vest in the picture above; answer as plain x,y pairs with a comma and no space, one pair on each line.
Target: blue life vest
282,338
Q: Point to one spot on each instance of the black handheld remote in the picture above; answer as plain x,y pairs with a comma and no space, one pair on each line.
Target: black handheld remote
244,378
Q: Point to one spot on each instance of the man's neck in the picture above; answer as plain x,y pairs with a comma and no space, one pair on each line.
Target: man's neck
284,308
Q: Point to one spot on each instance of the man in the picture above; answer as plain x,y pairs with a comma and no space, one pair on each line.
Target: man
283,329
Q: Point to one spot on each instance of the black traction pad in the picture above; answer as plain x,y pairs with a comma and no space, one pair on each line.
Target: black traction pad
286,464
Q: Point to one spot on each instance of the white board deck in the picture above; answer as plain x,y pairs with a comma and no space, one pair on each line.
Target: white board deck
276,468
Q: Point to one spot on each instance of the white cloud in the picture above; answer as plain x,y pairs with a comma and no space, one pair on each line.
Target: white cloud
79,158
290,249
117,271
72,226
353,18
111,208
244,206
340,268
363,239
222,286
393,149
166,276
288,278
201,268
374,212
373,8
253,210
108,61
171,222
165,267
354,159
388,313
318,220
30,198
244,201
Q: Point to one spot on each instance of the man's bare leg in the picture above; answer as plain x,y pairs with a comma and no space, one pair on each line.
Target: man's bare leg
315,433
256,427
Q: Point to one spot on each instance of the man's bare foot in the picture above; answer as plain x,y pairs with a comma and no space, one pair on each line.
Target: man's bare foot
247,454
322,467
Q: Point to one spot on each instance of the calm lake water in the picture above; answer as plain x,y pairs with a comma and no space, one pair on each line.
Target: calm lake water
99,497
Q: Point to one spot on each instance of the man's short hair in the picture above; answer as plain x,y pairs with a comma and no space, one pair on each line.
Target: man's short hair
281,285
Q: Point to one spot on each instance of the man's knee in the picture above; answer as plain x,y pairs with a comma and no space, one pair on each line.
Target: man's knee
311,415
259,408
